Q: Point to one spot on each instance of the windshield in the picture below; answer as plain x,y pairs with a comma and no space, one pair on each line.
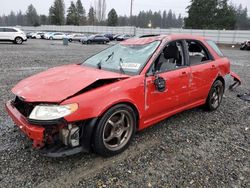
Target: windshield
123,58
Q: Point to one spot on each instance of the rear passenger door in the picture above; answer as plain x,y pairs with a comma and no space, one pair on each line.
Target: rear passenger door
9,33
203,70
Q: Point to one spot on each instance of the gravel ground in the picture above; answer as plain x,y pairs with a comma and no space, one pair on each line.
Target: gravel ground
192,149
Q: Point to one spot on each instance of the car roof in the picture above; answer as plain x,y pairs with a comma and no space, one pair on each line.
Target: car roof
10,27
146,40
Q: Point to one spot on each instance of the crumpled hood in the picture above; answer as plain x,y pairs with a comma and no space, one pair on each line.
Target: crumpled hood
57,84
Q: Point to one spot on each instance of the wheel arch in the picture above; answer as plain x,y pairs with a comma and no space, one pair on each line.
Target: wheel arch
128,103
91,125
18,37
220,78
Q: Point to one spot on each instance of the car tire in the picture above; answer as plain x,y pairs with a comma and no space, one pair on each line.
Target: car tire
242,47
114,131
70,40
18,40
215,96
51,38
88,42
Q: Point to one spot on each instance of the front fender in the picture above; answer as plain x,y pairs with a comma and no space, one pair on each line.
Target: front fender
94,103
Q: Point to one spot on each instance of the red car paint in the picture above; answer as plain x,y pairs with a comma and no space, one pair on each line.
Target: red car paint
187,87
57,84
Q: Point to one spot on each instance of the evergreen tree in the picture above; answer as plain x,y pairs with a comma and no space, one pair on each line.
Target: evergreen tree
241,18
32,16
12,19
81,13
164,18
112,18
20,18
225,15
43,20
72,16
57,13
212,14
91,16
201,14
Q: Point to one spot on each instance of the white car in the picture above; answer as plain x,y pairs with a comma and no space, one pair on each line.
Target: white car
56,36
12,34
37,35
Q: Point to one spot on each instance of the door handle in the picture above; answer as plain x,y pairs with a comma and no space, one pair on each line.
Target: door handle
184,73
213,66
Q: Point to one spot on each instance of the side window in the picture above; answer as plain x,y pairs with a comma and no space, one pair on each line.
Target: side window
9,30
197,53
171,58
1,29
215,47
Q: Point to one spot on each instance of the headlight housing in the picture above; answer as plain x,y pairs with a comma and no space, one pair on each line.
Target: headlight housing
52,112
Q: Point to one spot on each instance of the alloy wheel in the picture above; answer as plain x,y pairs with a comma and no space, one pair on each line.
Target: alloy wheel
118,130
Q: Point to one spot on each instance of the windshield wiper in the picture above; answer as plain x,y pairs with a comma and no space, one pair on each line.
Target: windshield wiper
99,65
121,69
110,56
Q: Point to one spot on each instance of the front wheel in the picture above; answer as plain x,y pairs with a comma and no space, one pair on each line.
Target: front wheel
115,130
18,40
215,96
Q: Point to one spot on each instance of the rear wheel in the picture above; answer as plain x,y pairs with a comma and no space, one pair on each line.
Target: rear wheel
51,38
115,130
70,40
18,40
215,96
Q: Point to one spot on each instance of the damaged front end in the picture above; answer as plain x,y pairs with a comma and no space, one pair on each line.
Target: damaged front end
232,81
53,138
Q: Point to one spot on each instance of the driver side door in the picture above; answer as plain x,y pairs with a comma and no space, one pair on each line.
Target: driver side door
177,74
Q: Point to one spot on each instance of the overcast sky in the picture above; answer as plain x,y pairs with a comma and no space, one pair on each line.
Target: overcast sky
121,6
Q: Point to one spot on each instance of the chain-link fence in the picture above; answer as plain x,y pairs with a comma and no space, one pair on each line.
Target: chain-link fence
219,36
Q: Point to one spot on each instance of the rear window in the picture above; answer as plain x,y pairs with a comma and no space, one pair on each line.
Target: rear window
215,47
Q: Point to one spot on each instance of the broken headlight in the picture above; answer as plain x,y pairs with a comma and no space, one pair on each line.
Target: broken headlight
52,112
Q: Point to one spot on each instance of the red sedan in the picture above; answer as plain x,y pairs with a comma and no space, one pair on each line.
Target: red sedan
100,104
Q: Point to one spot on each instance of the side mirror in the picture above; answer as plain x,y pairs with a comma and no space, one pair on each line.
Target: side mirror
160,83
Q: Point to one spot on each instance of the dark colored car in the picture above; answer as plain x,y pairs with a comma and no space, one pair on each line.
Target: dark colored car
97,39
123,37
245,45
109,36
29,35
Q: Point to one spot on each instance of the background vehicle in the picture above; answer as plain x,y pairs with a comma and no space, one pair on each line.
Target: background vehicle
56,36
123,37
134,84
12,34
245,45
115,36
29,35
109,36
75,37
98,39
37,35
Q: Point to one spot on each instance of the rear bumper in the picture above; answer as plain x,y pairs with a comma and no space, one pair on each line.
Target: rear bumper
232,81
35,133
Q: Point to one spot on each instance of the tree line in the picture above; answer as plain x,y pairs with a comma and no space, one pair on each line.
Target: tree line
216,14
202,14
